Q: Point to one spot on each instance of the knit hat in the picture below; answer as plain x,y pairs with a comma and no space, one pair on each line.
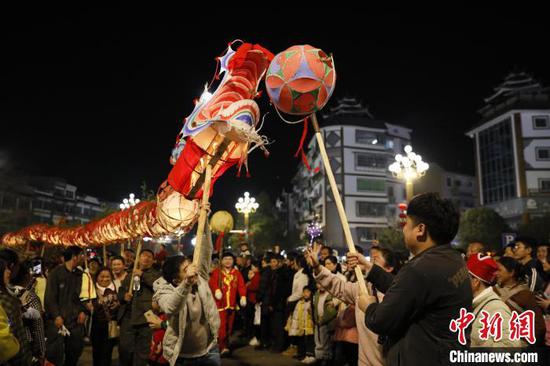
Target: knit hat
482,267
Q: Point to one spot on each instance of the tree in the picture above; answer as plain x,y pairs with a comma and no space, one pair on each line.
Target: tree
392,239
538,228
482,225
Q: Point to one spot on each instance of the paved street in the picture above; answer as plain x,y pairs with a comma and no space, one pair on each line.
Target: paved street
245,356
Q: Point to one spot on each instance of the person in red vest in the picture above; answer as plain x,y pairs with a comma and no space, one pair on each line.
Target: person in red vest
226,282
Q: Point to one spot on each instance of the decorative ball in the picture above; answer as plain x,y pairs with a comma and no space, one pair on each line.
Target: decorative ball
300,80
221,222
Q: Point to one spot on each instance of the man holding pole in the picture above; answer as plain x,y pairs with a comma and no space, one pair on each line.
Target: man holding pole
426,294
135,296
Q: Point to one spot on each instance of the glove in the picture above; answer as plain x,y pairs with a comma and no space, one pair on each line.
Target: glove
243,301
218,294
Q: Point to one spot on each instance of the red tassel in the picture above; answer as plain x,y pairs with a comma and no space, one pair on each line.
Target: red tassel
219,242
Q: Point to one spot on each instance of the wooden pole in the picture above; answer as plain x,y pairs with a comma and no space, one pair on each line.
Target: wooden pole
104,255
203,214
43,250
338,201
136,264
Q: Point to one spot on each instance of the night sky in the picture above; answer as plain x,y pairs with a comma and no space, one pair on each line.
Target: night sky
98,96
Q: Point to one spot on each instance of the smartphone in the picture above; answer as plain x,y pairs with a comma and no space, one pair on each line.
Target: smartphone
36,268
150,316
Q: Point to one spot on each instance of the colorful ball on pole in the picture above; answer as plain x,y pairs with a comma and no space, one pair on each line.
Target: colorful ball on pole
300,80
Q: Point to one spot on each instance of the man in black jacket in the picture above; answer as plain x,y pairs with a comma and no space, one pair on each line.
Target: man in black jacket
531,271
135,334
426,294
64,309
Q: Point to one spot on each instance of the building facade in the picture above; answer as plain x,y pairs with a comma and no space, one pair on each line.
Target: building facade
25,201
458,187
512,149
360,149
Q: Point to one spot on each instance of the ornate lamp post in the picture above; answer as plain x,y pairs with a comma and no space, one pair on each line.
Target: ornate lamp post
246,205
409,168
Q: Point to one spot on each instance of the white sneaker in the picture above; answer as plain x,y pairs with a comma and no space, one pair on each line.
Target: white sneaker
254,342
309,360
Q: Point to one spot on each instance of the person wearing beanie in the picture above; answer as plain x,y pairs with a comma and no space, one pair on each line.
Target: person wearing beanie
483,271
226,282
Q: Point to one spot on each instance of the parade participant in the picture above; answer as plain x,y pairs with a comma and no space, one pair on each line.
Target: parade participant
12,306
135,334
370,351
523,252
193,317
104,332
65,313
9,346
226,283
22,286
513,290
483,271
426,294
118,268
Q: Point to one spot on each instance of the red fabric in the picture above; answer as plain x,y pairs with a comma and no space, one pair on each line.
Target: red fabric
156,344
252,288
227,318
236,286
241,55
483,267
180,175
219,242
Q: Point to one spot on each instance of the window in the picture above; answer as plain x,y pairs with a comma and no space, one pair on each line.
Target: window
542,153
541,122
448,182
369,138
496,157
365,160
544,185
366,234
371,185
458,183
370,209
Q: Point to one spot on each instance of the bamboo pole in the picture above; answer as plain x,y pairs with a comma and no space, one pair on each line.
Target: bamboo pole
338,201
203,214
104,255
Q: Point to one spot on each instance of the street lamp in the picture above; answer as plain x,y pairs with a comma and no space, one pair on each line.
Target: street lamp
246,205
409,168
131,201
